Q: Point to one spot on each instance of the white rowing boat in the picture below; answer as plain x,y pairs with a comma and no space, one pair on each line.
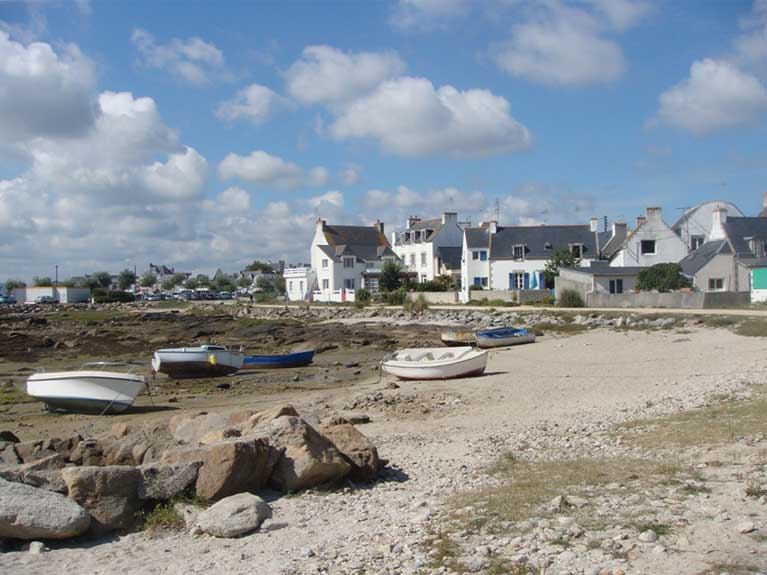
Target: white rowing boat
435,363
192,362
92,389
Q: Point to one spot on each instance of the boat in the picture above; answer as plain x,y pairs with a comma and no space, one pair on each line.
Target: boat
94,388
193,362
295,359
459,337
503,336
435,362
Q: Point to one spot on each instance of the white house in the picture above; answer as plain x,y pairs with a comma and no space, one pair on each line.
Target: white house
651,242
300,283
514,257
430,247
694,226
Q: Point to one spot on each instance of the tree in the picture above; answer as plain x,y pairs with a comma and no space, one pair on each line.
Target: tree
223,283
42,281
563,258
662,277
258,266
104,279
149,280
11,285
390,280
265,284
70,283
177,280
168,285
243,282
126,279
191,283
203,280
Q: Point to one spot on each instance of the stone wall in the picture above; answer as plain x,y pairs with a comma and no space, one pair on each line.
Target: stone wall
518,296
435,297
676,300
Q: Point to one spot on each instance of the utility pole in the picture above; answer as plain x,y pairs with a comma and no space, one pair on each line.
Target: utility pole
57,276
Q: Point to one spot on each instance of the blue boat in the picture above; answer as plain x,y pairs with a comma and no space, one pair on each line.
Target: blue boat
503,336
297,359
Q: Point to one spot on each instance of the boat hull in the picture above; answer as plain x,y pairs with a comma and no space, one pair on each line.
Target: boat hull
86,392
503,338
458,338
436,363
179,364
299,359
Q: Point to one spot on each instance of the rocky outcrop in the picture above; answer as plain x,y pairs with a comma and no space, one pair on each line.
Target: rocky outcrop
30,513
188,429
109,494
44,473
162,482
234,516
308,458
357,448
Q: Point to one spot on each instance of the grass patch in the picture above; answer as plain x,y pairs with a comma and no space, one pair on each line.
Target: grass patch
719,320
755,490
752,328
87,315
659,528
164,517
567,328
10,394
716,425
171,304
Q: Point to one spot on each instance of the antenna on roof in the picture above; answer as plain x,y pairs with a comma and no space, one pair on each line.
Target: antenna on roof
497,211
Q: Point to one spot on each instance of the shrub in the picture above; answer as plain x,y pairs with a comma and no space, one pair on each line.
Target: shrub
362,296
100,295
662,277
431,286
474,287
570,298
164,516
419,305
396,297
265,297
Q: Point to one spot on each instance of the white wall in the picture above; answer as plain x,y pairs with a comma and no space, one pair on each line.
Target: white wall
62,294
300,283
501,269
700,221
669,247
450,235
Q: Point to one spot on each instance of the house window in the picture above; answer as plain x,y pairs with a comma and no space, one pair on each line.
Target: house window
519,252
412,260
696,242
423,259
348,262
349,284
480,281
757,247
301,287
518,280
715,284
647,247
576,250
290,286
616,286
325,284
483,255
475,255
325,264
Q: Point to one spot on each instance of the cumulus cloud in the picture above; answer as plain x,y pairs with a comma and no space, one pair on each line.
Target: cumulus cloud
193,60
351,174
266,170
751,45
427,14
408,116
254,103
326,75
621,14
715,96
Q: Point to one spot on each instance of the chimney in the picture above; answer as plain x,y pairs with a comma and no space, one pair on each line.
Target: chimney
448,216
641,220
320,225
764,200
492,226
594,225
620,230
653,214
379,226
412,220
717,225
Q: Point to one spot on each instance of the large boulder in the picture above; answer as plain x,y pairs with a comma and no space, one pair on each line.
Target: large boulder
43,473
110,494
308,459
234,516
40,449
8,453
261,418
162,482
188,429
357,448
229,467
30,513
88,452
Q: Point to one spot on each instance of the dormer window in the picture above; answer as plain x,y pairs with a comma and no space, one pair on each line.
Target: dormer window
519,252
576,250
348,262
547,246
757,247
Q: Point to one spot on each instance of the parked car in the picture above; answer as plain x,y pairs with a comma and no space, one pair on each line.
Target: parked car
7,300
46,299
152,297
224,295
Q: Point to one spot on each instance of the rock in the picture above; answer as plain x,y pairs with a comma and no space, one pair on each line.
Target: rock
228,467
576,501
746,527
217,435
308,460
189,430
162,482
648,536
43,473
30,513
88,452
9,455
9,436
188,513
35,548
234,516
110,494
264,417
357,448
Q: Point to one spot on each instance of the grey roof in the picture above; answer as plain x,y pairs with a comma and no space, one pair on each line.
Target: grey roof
604,269
738,229
477,237
677,227
754,262
434,224
536,238
610,245
696,260
450,257
365,242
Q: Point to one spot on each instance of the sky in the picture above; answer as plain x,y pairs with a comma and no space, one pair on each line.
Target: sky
206,135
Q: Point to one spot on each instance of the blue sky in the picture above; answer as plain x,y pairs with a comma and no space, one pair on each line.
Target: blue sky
206,136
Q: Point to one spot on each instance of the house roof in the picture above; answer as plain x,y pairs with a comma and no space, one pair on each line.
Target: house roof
604,269
610,244
365,242
740,230
434,224
695,261
450,257
677,227
536,238
477,237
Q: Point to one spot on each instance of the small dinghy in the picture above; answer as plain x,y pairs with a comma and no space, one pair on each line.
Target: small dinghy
435,363
295,359
194,362
92,389
461,337
503,336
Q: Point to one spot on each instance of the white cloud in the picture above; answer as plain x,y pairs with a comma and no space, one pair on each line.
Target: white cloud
329,200
427,14
193,59
327,75
563,46
716,95
408,116
265,170
254,103
351,174
621,14
751,45
43,93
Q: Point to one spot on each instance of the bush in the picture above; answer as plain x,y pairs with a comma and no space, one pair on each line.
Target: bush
265,297
362,296
431,286
396,297
100,295
570,298
474,287
419,305
662,277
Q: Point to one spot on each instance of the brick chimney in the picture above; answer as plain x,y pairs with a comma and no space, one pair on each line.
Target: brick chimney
719,218
379,225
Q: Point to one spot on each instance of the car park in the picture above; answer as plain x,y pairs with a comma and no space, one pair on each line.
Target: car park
46,299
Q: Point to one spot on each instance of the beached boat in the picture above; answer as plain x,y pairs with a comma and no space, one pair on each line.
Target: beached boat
296,359
95,388
193,362
503,336
460,337
435,363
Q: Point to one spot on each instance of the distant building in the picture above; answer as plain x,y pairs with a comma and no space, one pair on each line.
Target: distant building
431,247
651,242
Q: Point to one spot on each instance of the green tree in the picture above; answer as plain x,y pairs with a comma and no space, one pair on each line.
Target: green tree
258,266
70,283
168,284
126,279
104,279
563,258
662,277
265,284
177,280
42,281
11,285
191,283
243,282
223,283
390,277
203,280
148,280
